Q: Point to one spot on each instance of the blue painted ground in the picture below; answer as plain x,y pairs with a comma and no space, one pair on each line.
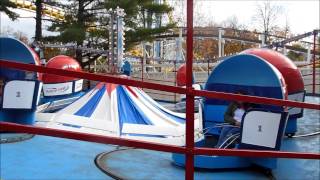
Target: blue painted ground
54,158
51,158
299,168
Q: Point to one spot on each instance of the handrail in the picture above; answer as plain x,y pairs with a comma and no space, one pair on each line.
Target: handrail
189,150
156,86
5,126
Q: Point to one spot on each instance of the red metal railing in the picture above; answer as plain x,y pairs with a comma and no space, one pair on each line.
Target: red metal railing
12,127
189,150
155,86
314,63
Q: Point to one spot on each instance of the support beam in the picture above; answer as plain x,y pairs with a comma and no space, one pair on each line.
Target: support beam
309,54
179,46
262,39
220,44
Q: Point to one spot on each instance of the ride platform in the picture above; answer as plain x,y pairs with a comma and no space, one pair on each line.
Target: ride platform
42,157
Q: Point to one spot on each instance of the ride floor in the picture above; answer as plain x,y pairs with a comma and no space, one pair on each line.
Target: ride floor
42,157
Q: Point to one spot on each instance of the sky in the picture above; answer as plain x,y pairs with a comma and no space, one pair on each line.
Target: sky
302,15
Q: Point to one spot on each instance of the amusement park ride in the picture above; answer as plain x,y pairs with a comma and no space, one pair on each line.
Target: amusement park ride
140,117
50,11
126,113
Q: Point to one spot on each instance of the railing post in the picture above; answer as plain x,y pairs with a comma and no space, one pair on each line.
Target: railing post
221,42
261,37
208,66
314,63
309,54
142,70
175,79
189,172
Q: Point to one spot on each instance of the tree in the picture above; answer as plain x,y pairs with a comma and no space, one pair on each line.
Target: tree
266,16
143,19
232,23
233,28
38,33
79,23
206,48
4,7
86,21
179,13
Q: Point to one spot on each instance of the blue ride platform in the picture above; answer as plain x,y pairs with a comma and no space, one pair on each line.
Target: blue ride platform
44,157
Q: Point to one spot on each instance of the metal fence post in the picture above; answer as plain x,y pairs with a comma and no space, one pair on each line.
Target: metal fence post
189,172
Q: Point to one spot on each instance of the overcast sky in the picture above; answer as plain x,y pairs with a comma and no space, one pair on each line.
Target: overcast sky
302,16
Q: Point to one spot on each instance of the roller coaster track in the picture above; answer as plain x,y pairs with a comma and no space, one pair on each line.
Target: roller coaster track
50,11
295,38
58,14
212,34
74,46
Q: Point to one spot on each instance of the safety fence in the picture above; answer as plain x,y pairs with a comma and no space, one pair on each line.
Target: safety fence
314,76
311,78
189,150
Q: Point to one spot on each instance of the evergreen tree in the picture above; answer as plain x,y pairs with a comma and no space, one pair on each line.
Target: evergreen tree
4,7
86,22
80,18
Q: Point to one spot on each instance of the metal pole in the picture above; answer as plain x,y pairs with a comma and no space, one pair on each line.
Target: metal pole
284,50
142,71
189,97
265,37
179,46
219,43
208,66
144,55
112,41
309,54
175,80
222,47
120,40
261,37
314,63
